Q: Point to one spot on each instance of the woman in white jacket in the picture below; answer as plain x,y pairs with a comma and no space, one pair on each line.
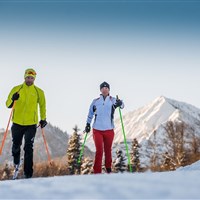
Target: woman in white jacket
103,109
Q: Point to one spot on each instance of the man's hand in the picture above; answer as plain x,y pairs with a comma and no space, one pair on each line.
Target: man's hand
43,123
15,96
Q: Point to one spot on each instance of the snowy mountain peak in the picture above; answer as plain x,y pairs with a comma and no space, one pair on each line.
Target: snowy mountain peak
179,107
160,99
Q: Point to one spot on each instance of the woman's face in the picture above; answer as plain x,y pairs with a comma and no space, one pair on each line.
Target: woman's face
105,91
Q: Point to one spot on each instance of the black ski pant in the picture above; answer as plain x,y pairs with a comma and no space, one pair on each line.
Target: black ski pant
28,132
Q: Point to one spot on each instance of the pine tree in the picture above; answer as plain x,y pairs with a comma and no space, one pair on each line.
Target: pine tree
7,172
119,163
87,166
73,152
135,160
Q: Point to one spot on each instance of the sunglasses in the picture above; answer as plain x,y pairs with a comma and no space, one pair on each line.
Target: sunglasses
31,73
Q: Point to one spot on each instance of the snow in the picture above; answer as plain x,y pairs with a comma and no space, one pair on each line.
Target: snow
181,184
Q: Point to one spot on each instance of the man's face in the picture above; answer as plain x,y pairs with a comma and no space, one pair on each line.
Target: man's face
29,80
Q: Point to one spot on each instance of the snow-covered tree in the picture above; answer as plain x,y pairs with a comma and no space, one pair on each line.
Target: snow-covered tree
168,163
87,166
119,164
154,158
194,155
176,131
73,152
135,156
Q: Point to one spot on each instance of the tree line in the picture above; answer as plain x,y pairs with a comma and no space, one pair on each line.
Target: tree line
177,155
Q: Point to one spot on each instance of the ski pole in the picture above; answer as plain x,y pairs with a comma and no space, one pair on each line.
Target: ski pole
82,148
46,147
127,153
6,132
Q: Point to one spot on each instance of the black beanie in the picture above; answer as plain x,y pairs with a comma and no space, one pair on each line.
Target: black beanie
104,84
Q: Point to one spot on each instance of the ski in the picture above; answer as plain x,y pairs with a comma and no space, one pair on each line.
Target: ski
16,170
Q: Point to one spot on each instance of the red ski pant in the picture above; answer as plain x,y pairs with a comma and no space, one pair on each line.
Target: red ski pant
103,142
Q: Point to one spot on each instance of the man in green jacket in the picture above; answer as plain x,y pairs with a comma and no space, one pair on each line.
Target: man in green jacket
24,99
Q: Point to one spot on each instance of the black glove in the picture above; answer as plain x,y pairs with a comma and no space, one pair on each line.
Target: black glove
87,128
15,96
118,103
43,123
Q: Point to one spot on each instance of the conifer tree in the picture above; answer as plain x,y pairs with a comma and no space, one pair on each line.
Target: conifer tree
119,164
135,160
73,152
7,172
87,166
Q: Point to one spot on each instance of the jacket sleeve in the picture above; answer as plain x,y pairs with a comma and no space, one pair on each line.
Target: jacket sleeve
9,100
42,105
90,113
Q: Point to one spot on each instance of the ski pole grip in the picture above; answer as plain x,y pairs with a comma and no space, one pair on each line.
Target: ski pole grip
117,97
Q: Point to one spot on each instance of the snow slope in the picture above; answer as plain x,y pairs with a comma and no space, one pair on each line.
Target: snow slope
181,184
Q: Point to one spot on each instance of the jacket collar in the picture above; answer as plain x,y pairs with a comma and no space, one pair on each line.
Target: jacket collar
102,97
26,86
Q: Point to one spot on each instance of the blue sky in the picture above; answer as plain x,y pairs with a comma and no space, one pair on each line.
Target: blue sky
144,49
